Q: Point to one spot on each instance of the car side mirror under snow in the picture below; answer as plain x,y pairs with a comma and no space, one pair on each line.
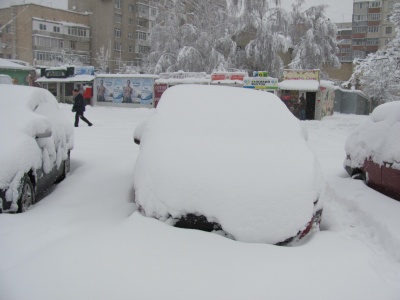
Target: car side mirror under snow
45,134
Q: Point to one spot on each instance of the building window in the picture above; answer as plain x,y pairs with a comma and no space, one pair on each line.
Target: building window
118,18
143,49
359,18
374,17
130,35
345,50
141,35
143,9
142,23
117,33
118,4
130,49
73,45
388,30
8,28
77,31
359,29
42,26
390,5
358,54
357,42
131,22
56,29
373,29
375,4
345,42
153,11
117,46
372,42
48,42
131,7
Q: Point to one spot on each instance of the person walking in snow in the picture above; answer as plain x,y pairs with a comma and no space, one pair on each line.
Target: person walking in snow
79,108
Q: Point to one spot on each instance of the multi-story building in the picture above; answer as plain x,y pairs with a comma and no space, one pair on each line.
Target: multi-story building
344,42
44,36
120,27
371,26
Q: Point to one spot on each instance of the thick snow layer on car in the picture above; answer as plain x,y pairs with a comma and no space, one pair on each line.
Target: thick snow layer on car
236,156
377,138
26,112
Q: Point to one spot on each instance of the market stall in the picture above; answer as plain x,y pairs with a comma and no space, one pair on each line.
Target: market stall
305,95
60,81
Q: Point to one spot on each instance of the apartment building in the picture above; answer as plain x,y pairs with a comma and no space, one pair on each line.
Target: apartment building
122,27
344,42
371,28
42,35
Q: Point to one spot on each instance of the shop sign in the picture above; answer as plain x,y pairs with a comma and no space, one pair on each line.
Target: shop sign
301,75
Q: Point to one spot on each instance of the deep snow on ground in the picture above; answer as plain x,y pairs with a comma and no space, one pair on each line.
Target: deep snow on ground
84,240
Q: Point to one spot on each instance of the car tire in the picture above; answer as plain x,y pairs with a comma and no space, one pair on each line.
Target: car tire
66,168
26,194
359,176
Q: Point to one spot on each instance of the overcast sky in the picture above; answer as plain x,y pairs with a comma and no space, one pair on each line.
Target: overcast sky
338,10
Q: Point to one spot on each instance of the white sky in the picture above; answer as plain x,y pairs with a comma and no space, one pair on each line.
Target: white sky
338,11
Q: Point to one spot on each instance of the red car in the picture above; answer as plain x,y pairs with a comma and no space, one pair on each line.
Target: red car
373,150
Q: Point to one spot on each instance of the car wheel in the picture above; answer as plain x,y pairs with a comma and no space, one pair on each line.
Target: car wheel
359,176
67,167
27,195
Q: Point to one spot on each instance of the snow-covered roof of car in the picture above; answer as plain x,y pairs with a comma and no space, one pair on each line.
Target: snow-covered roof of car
230,154
377,138
26,112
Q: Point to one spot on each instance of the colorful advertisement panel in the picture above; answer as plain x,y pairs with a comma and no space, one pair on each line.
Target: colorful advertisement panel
125,90
265,83
301,75
159,89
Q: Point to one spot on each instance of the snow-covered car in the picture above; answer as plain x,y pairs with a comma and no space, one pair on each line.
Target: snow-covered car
5,79
229,160
36,140
373,150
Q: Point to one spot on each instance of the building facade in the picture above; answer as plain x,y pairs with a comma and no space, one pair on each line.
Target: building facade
46,36
371,28
120,27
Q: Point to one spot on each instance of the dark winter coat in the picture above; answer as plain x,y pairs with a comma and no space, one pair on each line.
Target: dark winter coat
79,104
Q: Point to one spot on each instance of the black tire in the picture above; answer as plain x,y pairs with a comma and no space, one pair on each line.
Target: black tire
26,194
359,176
66,168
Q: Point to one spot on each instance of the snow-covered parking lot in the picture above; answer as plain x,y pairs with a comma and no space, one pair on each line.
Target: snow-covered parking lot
84,240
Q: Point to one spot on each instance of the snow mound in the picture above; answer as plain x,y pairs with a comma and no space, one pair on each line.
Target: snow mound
377,138
236,156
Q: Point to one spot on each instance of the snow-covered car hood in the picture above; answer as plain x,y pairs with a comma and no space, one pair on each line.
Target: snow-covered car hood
234,155
377,138
25,113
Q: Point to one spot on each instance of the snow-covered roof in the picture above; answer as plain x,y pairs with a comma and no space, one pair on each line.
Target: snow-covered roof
174,81
299,85
127,75
361,93
7,64
228,82
76,78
